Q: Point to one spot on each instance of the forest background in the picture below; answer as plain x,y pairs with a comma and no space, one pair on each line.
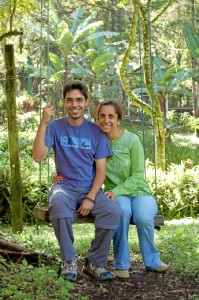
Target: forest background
144,54
54,41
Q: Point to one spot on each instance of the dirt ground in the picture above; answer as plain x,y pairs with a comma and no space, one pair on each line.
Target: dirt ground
142,284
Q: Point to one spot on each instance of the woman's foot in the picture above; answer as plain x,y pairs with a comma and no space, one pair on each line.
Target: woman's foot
124,274
162,268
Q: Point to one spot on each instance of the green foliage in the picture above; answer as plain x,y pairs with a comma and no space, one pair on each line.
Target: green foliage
23,8
71,41
56,62
82,244
177,242
34,190
176,119
101,61
192,41
78,48
28,282
170,78
177,122
177,190
182,145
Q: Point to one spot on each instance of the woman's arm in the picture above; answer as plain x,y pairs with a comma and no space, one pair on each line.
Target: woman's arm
136,179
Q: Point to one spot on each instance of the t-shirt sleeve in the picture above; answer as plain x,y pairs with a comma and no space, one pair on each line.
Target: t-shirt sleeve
103,148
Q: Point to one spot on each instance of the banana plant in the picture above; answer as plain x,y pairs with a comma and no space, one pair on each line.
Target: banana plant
70,44
191,40
169,81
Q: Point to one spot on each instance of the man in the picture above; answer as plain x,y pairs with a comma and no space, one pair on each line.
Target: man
80,150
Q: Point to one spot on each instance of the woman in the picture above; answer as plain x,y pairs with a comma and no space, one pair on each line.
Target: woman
125,185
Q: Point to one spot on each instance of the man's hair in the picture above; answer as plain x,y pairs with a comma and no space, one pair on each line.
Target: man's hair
73,85
117,106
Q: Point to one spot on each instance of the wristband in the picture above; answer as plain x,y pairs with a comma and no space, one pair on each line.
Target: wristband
89,199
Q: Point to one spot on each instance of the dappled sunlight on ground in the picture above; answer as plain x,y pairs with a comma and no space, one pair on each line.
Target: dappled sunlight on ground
183,140
185,221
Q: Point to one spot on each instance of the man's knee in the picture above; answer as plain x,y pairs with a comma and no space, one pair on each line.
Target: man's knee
108,217
58,206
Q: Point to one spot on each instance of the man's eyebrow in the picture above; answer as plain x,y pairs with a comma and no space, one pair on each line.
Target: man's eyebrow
81,97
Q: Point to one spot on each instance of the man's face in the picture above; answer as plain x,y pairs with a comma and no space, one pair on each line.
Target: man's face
75,103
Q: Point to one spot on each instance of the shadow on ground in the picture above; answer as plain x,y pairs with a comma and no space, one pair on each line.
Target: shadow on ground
142,284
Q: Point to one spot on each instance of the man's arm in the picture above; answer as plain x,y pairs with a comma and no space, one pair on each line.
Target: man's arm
87,205
99,177
40,150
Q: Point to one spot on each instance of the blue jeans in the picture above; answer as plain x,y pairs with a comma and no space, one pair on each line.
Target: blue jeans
143,209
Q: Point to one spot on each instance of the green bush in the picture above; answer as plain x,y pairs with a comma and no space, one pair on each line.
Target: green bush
36,178
177,190
175,118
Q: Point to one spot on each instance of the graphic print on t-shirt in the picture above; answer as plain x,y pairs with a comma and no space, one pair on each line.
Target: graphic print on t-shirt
75,142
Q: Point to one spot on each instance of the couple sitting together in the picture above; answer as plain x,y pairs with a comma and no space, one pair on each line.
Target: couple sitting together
88,156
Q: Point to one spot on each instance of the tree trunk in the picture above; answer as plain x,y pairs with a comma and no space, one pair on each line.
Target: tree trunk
153,111
157,114
195,65
122,70
16,188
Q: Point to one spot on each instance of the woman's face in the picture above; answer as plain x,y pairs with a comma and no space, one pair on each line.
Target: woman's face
108,118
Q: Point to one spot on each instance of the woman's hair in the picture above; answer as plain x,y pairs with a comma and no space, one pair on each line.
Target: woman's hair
117,106
73,85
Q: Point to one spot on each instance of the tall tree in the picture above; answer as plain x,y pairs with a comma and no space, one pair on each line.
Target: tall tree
8,17
16,185
195,57
153,111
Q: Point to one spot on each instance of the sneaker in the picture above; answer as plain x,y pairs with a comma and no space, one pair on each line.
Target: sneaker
162,268
123,274
98,273
69,269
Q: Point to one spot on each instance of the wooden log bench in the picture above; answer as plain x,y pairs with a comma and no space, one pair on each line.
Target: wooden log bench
42,214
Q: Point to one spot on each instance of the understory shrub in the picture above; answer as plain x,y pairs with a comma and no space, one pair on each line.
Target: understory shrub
177,189
36,178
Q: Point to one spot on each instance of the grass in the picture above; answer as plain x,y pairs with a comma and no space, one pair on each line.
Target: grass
181,147
177,242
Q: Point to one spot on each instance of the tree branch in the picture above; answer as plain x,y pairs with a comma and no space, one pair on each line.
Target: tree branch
122,70
10,33
162,12
13,14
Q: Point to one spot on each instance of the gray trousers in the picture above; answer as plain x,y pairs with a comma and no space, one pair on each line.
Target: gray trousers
63,203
